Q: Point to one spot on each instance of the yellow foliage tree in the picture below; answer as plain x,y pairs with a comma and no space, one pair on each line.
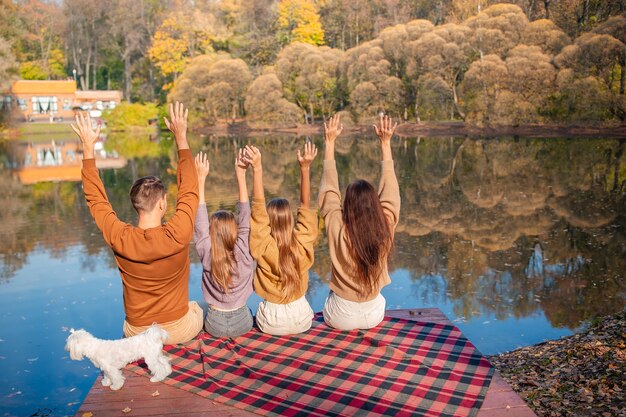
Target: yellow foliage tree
176,42
299,21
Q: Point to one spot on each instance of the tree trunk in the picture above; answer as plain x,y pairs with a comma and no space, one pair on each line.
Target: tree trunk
457,107
87,69
622,78
127,77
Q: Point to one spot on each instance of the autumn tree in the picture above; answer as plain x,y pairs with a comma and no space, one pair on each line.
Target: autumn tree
266,105
497,29
84,20
183,34
512,91
371,82
445,53
299,21
310,77
213,87
545,34
253,27
8,65
39,47
601,56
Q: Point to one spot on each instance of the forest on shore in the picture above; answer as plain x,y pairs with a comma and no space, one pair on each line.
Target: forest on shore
279,63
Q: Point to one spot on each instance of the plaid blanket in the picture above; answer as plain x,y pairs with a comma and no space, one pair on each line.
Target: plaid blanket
400,368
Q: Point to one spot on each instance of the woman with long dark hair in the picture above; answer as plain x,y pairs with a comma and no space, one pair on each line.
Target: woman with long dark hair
360,234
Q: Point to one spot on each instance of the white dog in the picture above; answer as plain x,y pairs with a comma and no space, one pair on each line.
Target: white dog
112,355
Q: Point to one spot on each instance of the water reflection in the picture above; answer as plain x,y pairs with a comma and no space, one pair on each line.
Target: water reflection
511,238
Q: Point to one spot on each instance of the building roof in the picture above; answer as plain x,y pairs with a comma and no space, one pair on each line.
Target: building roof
94,95
44,87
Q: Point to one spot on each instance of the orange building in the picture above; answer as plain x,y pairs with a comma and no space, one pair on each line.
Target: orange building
50,99
37,162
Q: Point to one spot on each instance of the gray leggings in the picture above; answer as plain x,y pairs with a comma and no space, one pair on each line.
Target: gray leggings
228,323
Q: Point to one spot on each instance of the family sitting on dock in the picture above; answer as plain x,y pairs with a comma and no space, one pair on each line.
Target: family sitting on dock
265,249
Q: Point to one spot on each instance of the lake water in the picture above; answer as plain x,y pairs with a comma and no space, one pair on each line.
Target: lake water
516,240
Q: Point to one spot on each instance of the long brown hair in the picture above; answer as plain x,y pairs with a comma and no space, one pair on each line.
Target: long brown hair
281,225
369,234
223,231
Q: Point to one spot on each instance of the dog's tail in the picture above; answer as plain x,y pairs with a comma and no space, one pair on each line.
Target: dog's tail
157,333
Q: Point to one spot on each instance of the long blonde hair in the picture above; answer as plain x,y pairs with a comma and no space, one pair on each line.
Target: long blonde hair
281,225
223,231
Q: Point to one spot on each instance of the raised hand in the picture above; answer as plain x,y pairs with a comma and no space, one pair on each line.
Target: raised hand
178,123
252,156
386,129
310,152
202,165
87,135
240,164
240,170
332,128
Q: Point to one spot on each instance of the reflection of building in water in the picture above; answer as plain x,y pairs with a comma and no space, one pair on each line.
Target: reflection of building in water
54,161
43,100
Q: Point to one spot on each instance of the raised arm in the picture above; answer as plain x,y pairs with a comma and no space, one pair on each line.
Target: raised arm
97,201
202,169
180,225
332,129
178,124
329,199
201,224
252,156
385,132
305,160
241,166
87,135
388,188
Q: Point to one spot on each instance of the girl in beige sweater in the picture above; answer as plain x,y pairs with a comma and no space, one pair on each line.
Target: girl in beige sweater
360,234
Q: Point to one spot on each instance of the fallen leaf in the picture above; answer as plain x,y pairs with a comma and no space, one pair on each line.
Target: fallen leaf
89,414
127,410
156,393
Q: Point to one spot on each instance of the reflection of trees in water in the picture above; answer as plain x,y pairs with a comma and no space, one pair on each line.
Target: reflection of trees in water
472,213
493,200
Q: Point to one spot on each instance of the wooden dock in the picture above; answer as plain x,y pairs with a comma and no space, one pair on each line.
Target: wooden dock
140,397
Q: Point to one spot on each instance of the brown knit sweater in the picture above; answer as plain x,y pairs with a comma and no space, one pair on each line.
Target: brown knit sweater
153,263
341,282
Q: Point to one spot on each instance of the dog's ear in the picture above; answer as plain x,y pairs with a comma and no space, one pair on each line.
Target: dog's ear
72,330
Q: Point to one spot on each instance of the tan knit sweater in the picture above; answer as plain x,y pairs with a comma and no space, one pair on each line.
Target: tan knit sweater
153,263
341,281
263,248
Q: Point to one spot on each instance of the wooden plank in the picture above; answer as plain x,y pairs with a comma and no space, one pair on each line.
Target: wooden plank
137,392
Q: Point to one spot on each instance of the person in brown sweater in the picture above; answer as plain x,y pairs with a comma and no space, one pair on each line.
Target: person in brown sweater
283,250
360,234
153,258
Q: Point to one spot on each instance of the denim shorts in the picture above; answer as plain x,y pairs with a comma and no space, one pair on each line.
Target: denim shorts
228,323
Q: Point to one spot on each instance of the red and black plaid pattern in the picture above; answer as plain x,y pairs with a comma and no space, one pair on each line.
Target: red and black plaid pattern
400,368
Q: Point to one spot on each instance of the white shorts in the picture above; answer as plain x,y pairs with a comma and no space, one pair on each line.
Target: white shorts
348,315
281,319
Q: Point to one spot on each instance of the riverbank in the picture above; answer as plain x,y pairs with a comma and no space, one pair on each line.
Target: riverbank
580,375
241,128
